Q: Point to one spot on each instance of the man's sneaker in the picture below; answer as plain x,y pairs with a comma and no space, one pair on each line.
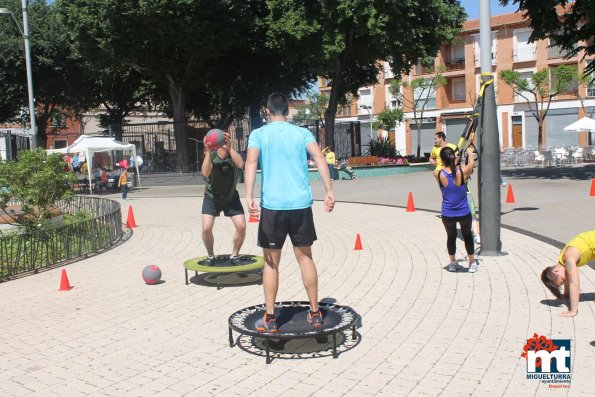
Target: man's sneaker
473,267
262,325
208,261
452,267
477,239
235,260
315,319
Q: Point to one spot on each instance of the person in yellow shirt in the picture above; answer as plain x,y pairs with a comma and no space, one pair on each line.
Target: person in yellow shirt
329,155
439,143
123,183
579,251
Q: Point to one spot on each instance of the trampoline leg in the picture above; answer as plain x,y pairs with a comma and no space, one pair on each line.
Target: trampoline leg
266,345
218,284
353,335
335,345
186,271
230,338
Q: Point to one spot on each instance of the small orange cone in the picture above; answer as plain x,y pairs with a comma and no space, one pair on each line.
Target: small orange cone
410,204
253,218
510,196
130,222
64,284
358,243
592,187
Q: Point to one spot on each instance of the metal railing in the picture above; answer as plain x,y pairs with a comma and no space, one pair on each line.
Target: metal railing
556,51
454,64
29,252
523,54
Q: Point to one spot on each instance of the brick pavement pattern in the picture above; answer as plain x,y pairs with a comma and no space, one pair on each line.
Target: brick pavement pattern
424,331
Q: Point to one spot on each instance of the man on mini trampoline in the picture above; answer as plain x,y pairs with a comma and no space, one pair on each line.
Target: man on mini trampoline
286,201
220,169
578,252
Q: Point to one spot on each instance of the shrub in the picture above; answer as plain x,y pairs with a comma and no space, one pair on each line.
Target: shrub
37,181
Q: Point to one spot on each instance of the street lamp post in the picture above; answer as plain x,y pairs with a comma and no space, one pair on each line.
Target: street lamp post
25,34
369,109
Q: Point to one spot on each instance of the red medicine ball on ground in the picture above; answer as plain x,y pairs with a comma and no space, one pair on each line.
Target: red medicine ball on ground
215,138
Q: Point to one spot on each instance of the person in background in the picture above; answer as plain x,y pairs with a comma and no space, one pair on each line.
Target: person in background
123,183
439,144
330,157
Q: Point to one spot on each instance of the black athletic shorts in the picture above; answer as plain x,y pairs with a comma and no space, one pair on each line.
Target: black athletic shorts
275,225
211,207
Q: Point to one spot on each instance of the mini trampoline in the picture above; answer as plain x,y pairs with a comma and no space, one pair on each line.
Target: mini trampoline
292,324
223,265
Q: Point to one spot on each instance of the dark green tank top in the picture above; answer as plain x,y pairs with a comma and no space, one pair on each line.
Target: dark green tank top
221,184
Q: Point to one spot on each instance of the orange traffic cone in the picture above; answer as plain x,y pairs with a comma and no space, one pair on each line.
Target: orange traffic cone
253,218
64,284
510,195
130,222
592,187
358,243
410,204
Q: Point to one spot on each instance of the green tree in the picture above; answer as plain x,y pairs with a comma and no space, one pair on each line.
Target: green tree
57,71
313,110
38,181
346,39
568,23
173,42
539,90
388,118
416,95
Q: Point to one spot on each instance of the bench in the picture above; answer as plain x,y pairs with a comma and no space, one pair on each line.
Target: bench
367,160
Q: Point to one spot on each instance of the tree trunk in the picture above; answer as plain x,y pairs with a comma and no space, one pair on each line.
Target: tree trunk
178,99
540,135
418,140
255,116
328,139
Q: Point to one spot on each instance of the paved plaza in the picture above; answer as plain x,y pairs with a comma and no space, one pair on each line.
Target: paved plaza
423,331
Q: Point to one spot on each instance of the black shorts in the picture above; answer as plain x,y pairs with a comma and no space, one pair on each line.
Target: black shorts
211,207
275,225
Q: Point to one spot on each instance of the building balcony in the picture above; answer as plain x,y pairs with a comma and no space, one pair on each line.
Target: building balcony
556,52
478,59
454,64
523,54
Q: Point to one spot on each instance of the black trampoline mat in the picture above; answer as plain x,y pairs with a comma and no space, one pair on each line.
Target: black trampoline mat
291,320
223,261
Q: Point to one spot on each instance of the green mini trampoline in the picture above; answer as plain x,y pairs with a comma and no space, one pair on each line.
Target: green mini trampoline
222,265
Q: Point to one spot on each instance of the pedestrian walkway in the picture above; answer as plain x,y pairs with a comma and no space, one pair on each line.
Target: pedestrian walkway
424,331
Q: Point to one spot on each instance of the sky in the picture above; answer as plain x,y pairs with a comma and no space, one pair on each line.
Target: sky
472,8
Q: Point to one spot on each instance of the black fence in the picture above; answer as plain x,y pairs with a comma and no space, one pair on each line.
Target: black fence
29,252
14,144
157,145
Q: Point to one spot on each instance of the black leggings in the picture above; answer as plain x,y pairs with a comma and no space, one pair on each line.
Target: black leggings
450,224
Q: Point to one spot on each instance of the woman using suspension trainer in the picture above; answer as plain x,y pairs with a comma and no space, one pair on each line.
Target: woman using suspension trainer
455,206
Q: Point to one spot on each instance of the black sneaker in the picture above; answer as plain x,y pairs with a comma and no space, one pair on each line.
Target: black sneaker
208,261
262,325
315,319
235,260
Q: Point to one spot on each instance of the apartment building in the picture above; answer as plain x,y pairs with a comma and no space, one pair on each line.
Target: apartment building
448,106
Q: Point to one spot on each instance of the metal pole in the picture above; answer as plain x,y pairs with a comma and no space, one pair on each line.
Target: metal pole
489,145
371,131
29,75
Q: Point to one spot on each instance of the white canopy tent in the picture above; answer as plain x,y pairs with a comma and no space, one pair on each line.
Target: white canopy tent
584,124
93,144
